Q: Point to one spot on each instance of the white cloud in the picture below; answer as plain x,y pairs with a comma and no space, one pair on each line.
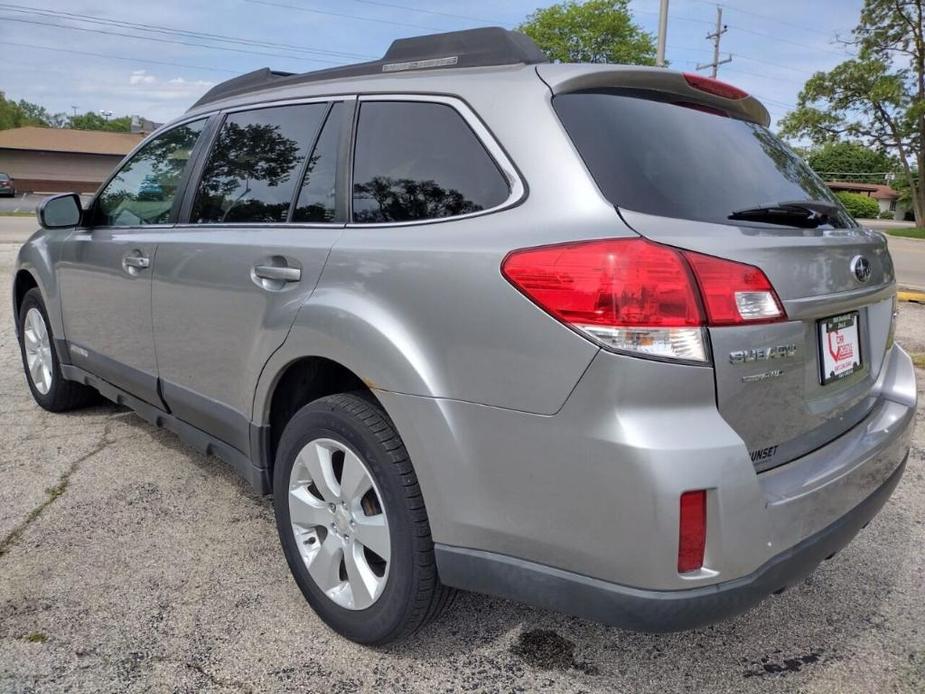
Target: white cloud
191,83
141,77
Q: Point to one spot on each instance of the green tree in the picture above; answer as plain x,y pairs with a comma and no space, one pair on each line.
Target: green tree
878,97
24,113
851,161
34,114
94,121
594,31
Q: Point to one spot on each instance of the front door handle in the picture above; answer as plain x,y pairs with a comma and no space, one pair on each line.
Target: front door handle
135,262
139,262
277,273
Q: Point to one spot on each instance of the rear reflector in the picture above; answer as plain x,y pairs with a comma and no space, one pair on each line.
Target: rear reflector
714,86
692,536
634,295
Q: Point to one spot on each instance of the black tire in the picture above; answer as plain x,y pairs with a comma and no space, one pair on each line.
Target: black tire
62,395
413,594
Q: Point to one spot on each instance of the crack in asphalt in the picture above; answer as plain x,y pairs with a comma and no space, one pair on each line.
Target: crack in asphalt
53,493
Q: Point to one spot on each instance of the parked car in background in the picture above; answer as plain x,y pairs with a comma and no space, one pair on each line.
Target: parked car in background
586,336
7,187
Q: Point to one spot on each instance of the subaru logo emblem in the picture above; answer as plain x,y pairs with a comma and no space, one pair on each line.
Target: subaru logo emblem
860,266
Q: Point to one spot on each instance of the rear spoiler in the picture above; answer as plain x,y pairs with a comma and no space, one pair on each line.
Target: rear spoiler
563,78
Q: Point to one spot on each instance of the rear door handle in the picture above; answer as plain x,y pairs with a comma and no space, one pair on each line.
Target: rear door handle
280,274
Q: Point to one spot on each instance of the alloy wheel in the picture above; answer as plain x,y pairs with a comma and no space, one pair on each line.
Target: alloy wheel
339,523
38,350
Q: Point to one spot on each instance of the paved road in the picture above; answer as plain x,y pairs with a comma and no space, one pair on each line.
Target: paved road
909,260
130,563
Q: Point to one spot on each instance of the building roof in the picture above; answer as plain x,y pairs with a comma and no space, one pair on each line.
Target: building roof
65,140
877,191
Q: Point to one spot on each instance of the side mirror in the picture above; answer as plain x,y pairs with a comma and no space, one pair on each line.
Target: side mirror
60,211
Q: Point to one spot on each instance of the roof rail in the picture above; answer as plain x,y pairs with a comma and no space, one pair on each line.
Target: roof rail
469,48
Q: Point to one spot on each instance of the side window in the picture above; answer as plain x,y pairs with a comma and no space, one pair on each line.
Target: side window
416,160
316,199
144,189
252,170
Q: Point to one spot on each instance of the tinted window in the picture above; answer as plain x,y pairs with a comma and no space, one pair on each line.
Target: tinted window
144,189
676,161
316,199
4,177
253,167
419,160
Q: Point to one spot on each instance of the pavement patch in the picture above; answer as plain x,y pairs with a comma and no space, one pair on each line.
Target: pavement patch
547,650
777,665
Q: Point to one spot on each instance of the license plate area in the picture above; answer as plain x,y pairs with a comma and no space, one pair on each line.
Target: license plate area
839,347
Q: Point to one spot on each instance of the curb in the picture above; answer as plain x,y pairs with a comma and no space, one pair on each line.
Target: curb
913,296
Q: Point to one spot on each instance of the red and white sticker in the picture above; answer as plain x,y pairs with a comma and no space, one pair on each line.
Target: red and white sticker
840,346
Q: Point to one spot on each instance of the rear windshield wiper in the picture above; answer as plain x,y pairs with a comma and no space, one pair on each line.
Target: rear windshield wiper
809,213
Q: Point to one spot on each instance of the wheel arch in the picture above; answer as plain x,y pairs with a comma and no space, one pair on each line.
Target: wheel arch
22,283
35,267
358,335
299,382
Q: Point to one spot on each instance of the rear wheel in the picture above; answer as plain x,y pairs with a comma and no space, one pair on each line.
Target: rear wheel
352,522
43,372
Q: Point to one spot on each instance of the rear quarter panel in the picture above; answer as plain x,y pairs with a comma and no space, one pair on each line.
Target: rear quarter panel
423,309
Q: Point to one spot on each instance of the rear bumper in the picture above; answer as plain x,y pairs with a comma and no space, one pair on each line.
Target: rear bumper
652,610
579,510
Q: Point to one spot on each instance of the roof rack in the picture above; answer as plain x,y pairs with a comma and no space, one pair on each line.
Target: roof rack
469,48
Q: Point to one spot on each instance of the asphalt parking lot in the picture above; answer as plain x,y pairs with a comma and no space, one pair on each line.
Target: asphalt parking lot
128,562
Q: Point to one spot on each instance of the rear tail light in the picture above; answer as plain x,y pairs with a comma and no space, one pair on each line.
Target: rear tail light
634,295
692,531
734,293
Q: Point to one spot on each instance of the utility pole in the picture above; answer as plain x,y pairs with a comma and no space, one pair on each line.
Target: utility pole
662,33
715,36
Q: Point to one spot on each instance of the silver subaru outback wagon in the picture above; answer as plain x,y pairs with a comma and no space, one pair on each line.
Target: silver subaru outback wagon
586,336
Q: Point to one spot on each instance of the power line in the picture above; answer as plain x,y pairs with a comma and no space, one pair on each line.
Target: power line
789,41
772,64
433,12
762,75
677,17
769,18
119,57
171,41
160,29
339,14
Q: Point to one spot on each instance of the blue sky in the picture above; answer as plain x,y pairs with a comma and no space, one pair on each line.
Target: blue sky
96,65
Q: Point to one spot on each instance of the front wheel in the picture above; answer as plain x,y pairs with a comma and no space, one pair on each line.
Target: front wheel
352,521
43,372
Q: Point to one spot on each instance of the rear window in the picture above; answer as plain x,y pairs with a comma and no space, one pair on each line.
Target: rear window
417,160
673,160
4,177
